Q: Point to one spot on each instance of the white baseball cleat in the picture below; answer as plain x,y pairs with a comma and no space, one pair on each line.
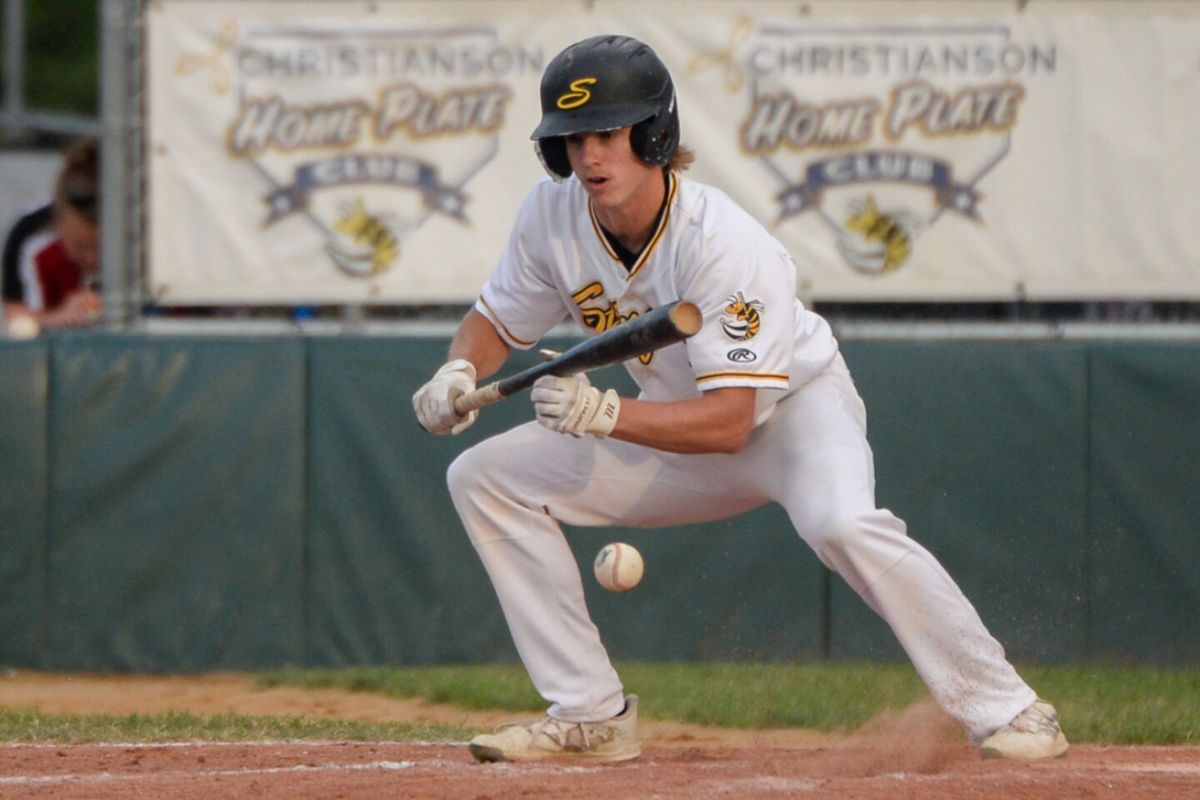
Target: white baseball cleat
614,739
1035,733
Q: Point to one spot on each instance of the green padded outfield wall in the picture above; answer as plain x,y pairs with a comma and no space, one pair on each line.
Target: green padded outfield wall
1144,593
24,388
176,509
190,503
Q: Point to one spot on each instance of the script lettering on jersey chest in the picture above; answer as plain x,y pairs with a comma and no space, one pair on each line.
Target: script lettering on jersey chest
601,317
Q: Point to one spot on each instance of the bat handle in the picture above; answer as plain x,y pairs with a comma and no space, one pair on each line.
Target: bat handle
465,403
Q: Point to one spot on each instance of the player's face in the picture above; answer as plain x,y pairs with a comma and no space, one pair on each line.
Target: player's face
615,178
80,237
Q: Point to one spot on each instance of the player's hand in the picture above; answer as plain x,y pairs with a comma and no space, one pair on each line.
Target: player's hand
80,308
572,405
434,402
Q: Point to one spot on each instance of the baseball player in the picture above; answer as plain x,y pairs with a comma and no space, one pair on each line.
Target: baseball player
756,407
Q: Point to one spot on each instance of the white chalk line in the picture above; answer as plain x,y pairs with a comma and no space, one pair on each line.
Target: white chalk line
497,770
765,783
207,743
1168,769
795,785
1057,770
108,777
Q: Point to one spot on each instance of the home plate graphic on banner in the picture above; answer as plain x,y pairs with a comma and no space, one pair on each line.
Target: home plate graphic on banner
879,149
354,148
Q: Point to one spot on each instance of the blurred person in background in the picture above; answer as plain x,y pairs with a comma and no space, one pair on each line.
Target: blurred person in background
52,253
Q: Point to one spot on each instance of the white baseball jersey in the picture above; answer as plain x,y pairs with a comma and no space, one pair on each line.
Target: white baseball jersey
705,250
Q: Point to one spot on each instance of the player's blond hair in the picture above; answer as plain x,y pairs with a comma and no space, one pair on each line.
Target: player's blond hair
681,159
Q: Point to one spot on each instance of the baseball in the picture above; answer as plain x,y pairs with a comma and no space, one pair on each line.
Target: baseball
618,567
22,327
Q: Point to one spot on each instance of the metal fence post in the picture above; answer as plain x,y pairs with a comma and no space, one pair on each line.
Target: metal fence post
14,64
119,218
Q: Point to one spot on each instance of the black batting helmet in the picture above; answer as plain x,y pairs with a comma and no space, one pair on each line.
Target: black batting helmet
602,84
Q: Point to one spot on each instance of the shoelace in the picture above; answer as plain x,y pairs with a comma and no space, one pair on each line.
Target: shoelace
561,733
1037,720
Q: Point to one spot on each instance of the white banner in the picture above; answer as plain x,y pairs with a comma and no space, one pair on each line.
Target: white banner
376,152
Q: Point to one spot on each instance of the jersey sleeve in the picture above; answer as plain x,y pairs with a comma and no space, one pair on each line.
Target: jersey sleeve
745,288
520,297
23,231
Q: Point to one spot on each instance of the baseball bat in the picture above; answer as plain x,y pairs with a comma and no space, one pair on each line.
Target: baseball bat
663,326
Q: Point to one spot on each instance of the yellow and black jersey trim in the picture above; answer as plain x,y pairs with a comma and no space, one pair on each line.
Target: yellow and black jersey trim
505,332
762,376
648,250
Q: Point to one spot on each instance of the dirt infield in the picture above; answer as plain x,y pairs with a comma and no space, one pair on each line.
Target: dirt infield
916,754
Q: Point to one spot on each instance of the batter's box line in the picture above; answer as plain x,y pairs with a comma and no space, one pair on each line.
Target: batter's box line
108,777
206,743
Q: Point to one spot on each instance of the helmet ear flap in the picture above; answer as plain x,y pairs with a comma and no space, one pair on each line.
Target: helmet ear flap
552,152
655,140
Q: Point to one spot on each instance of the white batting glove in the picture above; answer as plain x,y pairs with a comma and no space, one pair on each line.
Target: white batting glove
572,405
434,402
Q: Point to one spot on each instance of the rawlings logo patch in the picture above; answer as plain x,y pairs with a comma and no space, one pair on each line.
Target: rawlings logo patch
741,356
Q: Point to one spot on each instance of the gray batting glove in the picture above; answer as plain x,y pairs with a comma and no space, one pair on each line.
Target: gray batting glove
572,405
434,402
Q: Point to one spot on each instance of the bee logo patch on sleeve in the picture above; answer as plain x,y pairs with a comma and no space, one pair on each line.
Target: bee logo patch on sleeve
741,318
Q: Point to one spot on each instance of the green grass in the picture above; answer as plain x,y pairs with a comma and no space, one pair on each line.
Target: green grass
30,726
1098,705
470,687
1140,705
730,695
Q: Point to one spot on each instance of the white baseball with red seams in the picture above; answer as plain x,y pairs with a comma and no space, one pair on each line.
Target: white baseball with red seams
618,567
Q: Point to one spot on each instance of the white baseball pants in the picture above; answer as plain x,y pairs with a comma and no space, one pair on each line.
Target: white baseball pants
811,457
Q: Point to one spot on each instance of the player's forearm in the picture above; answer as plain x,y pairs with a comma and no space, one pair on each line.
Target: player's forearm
719,421
478,342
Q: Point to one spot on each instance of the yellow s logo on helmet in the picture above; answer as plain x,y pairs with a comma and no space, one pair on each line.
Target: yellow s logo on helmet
578,94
